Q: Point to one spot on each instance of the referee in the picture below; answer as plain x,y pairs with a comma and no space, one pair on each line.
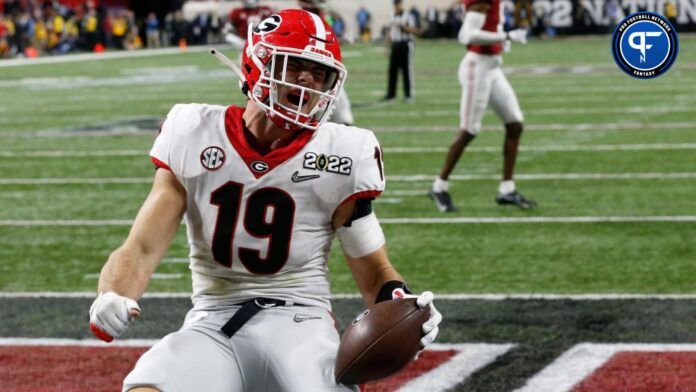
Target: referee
402,28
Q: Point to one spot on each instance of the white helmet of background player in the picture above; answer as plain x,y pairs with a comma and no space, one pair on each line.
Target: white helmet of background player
288,38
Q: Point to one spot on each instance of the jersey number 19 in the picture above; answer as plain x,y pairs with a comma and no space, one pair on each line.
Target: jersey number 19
277,229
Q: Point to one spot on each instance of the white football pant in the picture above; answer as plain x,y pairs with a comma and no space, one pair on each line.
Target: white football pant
483,83
280,349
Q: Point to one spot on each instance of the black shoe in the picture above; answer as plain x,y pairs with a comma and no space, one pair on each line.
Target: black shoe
442,200
515,198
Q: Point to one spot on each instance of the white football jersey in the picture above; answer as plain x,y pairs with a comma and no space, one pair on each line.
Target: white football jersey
260,225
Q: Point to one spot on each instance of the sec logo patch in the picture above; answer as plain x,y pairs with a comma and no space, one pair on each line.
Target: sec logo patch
645,45
212,158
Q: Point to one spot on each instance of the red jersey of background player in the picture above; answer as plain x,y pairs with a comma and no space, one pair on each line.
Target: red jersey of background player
492,24
242,17
313,6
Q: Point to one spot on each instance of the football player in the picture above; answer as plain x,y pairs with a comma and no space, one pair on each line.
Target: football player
264,189
251,13
483,83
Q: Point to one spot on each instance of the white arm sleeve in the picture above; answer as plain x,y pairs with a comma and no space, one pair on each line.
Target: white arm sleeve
363,237
472,33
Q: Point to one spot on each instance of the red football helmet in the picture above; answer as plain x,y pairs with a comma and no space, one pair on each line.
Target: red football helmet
292,39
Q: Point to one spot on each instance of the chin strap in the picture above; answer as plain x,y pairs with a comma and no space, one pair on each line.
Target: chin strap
226,60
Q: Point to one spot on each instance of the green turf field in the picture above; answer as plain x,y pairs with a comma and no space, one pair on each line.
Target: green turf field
599,144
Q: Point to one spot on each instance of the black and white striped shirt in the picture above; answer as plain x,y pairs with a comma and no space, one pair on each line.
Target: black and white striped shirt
396,31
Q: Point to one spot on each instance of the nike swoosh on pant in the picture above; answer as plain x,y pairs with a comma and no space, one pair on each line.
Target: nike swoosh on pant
300,318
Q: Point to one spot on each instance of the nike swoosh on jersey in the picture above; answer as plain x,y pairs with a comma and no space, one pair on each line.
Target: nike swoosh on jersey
296,177
303,317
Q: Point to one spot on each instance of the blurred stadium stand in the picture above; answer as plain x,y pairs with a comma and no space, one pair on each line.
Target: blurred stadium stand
37,27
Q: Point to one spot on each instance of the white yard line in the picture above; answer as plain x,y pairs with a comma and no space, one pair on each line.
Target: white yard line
58,133
155,276
58,223
417,192
393,150
561,297
584,127
541,219
595,98
545,127
395,178
535,112
548,148
449,297
73,181
453,90
399,221
81,294
388,200
72,154
76,342
549,176
74,58
175,260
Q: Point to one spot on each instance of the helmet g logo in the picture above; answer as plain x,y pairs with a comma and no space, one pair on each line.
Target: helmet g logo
268,25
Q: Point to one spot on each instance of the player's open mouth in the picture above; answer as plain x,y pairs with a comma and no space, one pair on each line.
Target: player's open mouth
294,96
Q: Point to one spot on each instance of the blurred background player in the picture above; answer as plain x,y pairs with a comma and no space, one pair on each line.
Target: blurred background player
250,13
484,82
363,18
402,29
342,114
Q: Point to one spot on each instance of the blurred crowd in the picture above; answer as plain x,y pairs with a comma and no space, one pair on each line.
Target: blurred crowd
446,23
29,28
432,22
435,22
35,27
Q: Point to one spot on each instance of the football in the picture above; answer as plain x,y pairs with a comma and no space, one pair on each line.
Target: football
380,341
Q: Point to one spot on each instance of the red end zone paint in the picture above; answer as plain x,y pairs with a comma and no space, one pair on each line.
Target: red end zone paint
427,361
65,368
101,369
644,372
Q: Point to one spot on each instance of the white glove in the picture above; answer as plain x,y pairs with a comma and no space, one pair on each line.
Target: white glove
430,327
518,35
111,314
